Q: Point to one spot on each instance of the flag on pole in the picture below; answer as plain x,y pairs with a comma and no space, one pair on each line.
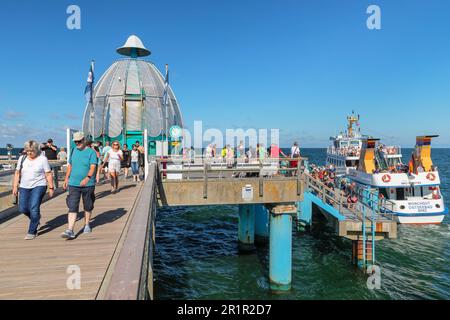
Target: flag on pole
89,90
165,102
166,87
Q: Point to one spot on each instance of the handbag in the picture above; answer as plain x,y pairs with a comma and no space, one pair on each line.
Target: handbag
15,199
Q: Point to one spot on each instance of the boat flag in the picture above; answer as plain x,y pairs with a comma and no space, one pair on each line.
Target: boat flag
88,91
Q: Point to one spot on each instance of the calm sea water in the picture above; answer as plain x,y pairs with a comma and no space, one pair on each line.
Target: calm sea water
197,257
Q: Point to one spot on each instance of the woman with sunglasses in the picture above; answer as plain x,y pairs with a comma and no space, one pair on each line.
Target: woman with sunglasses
31,179
114,157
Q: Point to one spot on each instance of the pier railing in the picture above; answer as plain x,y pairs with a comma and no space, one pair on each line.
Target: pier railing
7,209
202,182
55,165
130,275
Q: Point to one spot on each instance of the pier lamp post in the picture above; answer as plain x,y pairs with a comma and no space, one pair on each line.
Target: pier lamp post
9,148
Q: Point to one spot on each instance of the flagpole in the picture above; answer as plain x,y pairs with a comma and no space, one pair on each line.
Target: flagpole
91,100
166,106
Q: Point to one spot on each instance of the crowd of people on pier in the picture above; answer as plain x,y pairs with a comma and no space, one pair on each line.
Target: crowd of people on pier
85,164
327,176
239,154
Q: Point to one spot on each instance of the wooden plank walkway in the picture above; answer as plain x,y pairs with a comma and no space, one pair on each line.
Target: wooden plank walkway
38,269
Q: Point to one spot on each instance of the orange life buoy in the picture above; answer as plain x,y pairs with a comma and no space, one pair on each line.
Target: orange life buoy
431,176
386,178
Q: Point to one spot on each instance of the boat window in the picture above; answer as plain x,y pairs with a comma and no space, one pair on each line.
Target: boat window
348,163
344,144
384,192
400,193
355,143
417,192
427,192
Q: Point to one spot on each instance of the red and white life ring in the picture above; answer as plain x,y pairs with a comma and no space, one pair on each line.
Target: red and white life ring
386,178
431,176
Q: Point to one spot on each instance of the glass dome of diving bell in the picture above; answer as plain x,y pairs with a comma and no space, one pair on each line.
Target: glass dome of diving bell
128,99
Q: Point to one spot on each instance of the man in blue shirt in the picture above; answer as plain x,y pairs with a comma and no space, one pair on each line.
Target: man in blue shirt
80,180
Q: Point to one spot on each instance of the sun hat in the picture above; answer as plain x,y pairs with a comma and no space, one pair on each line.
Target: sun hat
77,136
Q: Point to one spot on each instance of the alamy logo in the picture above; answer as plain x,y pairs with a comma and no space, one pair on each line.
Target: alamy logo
374,20
74,280
74,20
374,280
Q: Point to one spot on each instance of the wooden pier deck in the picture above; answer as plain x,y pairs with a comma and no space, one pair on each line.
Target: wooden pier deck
38,269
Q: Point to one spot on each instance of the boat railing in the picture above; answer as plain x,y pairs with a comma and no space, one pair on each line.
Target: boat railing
344,151
391,150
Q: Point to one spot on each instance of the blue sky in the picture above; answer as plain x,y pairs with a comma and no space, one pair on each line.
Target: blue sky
297,65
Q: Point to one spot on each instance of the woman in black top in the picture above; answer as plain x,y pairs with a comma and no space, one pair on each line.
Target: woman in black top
126,162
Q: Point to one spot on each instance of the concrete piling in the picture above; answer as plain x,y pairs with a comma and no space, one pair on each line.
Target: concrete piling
246,228
280,255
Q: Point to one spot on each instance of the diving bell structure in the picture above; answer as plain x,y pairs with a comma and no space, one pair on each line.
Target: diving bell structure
129,98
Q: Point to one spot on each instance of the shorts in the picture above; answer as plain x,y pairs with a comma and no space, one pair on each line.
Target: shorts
114,166
75,193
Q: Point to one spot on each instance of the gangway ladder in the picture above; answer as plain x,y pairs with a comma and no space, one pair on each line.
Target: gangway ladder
368,231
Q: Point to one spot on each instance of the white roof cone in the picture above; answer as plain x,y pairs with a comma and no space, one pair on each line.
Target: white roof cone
134,46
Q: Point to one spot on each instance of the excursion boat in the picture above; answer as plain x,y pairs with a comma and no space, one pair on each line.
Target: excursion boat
411,193
344,151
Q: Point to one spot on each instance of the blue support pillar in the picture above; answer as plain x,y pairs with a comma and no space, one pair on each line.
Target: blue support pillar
280,255
261,224
246,228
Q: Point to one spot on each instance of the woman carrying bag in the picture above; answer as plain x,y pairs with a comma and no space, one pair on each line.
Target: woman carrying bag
32,176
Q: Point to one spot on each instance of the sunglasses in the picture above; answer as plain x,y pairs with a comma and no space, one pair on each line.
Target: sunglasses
79,141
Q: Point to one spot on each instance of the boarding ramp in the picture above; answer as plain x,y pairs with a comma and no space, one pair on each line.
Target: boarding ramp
365,222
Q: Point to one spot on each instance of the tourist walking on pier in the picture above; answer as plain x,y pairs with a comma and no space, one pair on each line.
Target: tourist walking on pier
32,176
141,155
240,152
230,156
192,155
62,155
114,157
126,162
135,163
105,164
261,152
80,180
51,151
295,153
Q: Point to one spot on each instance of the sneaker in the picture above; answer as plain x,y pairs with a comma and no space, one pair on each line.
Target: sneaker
68,234
30,236
87,229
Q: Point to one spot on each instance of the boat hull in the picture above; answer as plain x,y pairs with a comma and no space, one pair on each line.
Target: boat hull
405,218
